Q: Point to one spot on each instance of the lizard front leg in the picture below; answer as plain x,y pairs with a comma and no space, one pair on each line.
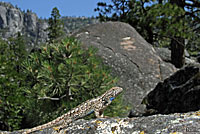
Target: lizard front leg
98,113
99,109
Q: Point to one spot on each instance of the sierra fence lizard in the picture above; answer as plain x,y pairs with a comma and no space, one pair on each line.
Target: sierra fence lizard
96,105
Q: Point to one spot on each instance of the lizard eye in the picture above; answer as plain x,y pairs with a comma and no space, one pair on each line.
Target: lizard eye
105,102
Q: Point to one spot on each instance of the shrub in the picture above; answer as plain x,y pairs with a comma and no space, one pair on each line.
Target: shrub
60,76
49,82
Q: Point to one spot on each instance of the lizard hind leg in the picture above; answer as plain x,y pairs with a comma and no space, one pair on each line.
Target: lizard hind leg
57,129
64,125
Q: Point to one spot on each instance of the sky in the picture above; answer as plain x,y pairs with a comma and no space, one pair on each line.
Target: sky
43,8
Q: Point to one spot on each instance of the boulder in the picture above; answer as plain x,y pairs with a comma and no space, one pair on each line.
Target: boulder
131,58
165,55
156,124
178,93
187,123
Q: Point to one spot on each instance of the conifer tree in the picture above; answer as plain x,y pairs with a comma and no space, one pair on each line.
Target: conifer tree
18,46
56,26
11,54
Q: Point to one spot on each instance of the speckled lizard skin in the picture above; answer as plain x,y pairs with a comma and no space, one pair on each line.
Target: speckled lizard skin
96,105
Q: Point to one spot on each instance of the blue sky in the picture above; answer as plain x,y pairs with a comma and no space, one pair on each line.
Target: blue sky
66,7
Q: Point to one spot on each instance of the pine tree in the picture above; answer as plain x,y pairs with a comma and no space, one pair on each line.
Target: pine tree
56,26
11,55
18,46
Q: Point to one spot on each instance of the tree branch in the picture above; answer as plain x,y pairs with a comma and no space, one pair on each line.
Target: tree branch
192,15
49,98
194,4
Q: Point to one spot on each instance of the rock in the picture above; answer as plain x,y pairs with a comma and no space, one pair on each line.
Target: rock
13,20
31,20
186,54
160,124
198,59
130,57
178,93
164,53
178,123
190,60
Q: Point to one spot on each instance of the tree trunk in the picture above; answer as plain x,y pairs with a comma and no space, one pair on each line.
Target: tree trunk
178,43
150,34
177,52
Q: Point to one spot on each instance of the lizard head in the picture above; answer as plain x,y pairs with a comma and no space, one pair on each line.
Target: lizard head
111,93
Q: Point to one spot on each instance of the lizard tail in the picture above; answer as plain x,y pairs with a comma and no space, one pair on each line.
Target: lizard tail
47,125
37,128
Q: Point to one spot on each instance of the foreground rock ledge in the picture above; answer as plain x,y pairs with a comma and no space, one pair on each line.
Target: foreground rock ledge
181,123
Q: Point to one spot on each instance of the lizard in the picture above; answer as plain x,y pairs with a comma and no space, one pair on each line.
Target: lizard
96,105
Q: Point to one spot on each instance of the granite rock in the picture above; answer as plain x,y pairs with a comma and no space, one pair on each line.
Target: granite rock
178,93
131,58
